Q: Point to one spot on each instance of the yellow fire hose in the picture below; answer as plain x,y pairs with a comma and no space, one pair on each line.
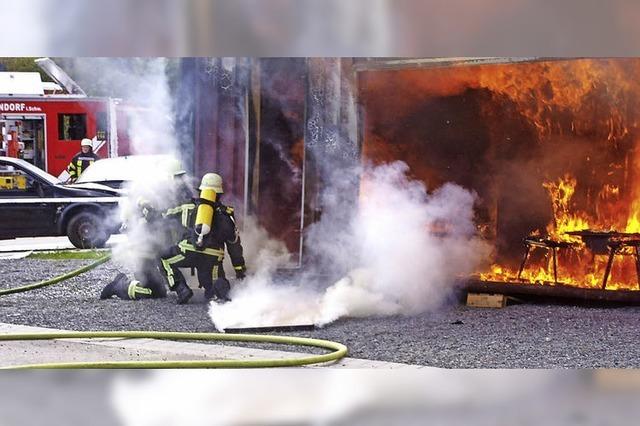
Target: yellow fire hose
338,350
57,279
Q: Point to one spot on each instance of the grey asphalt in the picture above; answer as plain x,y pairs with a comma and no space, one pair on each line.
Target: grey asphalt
518,336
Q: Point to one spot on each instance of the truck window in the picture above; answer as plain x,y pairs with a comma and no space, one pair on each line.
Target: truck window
102,126
72,127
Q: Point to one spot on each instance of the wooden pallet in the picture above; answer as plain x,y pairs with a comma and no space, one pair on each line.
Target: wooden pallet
558,292
486,300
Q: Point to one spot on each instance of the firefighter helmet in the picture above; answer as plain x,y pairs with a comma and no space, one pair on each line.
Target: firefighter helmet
86,142
175,167
212,181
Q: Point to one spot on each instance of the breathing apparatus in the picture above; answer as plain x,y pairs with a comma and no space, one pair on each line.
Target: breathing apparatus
210,187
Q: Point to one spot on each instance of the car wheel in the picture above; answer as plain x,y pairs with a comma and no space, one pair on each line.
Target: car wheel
86,230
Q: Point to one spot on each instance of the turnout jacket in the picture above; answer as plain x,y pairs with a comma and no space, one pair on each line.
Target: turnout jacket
224,233
79,163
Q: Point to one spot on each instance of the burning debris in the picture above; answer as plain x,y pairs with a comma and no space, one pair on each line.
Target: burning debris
587,255
550,147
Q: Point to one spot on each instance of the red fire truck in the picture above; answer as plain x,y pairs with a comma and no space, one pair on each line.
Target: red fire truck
43,123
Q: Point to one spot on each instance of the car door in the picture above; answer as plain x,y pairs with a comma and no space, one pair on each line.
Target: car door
26,209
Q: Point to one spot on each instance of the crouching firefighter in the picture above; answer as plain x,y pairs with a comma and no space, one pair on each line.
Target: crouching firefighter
148,280
176,221
212,227
164,231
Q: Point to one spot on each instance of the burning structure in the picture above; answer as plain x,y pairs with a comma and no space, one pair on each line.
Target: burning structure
550,147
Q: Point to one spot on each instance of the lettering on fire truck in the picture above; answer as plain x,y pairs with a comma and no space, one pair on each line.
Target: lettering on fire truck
18,107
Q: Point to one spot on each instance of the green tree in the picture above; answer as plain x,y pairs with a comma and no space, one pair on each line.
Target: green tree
22,65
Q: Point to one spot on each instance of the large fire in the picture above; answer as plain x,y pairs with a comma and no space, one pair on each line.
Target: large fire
581,267
551,147
565,220
544,94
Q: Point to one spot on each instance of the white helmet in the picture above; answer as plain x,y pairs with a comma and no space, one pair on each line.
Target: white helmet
212,181
86,142
175,167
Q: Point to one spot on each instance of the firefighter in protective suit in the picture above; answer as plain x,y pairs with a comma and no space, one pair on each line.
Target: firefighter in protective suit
212,228
167,230
82,160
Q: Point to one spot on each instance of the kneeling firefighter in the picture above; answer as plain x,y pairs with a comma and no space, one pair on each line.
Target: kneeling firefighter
212,228
148,280
167,230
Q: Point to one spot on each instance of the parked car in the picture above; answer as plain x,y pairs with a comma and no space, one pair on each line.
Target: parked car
117,171
34,203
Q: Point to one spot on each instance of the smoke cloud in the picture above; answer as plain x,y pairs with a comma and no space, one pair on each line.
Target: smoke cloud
147,104
144,87
401,252
398,250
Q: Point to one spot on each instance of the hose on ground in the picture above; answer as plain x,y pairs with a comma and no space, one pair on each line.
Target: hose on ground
338,350
57,279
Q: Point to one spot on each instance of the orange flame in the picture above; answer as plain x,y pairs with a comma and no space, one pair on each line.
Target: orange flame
564,221
544,93
591,103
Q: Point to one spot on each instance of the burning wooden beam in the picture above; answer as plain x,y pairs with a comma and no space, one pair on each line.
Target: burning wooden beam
551,291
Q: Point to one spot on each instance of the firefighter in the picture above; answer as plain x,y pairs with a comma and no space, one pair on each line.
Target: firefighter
212,227
81,160
148,280
177,219
164,229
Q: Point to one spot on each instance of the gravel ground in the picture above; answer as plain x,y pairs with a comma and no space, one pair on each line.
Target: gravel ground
518,336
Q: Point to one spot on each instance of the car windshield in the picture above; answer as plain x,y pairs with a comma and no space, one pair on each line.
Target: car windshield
30,168
124,169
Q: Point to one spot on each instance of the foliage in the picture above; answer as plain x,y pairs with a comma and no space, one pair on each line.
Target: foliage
22,64
100,77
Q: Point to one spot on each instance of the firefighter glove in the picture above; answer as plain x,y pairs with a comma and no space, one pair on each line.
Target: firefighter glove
241,272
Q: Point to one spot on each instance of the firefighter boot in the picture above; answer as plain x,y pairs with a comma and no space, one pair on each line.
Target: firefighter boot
118,287
208,291
183,291
219,291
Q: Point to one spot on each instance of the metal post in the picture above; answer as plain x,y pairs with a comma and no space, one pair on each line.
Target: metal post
607,271
555,264
524,260
637,256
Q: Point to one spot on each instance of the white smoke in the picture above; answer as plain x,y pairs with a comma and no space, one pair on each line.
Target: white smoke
150,126
402,250
152,187
143,85
257,298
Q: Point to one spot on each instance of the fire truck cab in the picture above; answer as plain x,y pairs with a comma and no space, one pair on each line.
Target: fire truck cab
43,123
